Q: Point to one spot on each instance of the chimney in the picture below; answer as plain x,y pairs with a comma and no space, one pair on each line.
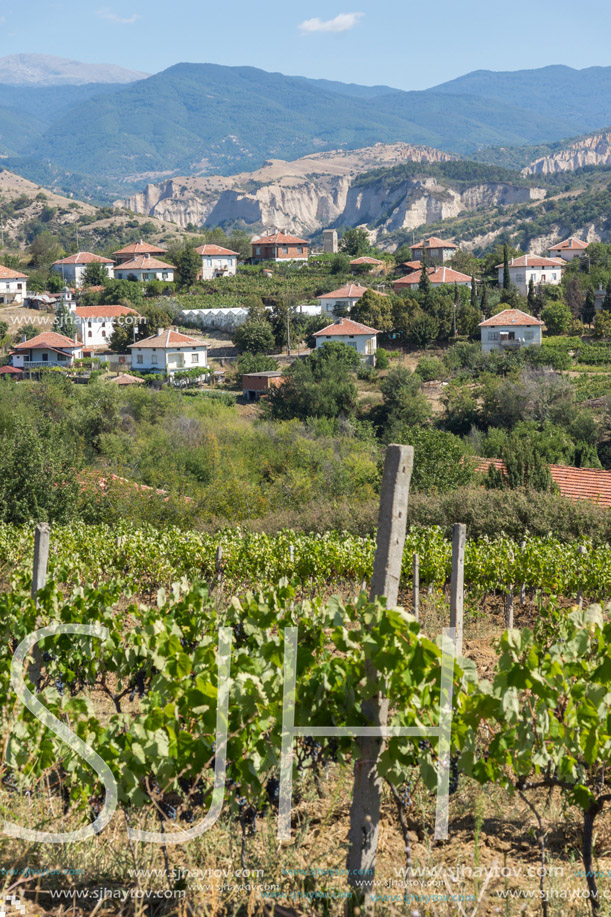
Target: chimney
23,338
338,321
75,339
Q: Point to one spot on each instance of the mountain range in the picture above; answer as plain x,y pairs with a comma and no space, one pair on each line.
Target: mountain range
100,138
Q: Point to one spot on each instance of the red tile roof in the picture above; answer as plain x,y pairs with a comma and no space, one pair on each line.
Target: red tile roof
141,248
10,371
84,258
280,238
168,338
350,291
574,483
345,326
535,261
209,249
436,275
413,265
7,273
144,263
126,379
103,311
434,242
49,339
570,244
366,259
510,317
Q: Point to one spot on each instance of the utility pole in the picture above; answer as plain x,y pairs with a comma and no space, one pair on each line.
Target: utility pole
288,331
455,332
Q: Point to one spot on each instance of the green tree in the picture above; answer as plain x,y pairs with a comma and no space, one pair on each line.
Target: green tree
315,388
506,277
338,353
607,299
557,317
26,331
254,336
403,404
424,284
531,298
38,474
3,329
602,325
154,317
355,242
256,363
340,264
441,460
524,464
483,303
473,293
402,254
64,321
95,275
45,249
589,308
422,329
189,264
374,310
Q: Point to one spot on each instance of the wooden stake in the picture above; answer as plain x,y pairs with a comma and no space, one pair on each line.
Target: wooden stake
416,587
583,553
457,582
523,586
39,581
367,790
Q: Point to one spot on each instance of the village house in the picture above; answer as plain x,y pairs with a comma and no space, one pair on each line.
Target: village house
408,267
96,323
344,330
437,250
438,277
138,248
145,268
12,286
279,247
569,249
541,270
343,300
256,384
46,349
510,330
217,261
375,265
73,267
168,351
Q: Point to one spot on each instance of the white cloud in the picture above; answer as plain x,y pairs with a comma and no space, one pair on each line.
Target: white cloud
107,13
341,23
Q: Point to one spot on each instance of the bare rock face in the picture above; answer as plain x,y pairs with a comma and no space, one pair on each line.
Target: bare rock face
321,190
594,150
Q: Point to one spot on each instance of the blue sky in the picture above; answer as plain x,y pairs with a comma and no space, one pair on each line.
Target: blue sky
410,45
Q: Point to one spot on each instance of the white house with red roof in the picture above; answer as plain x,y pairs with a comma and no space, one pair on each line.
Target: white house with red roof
168,351
354,334
145,268
280,246
542,271
96,323
343,299
13,285
438,277
437,250
217,261
510,330
569,249
134,249
46,349
73,267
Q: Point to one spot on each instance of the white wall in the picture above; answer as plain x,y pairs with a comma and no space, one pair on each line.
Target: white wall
528,336
363,344
144,274
13,290
520,277
215,265
330,305
170,360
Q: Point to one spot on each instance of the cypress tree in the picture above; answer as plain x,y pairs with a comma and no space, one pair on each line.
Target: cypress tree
64,321
473,292
424,284
506,280
483,304
607,299
589,308
531,295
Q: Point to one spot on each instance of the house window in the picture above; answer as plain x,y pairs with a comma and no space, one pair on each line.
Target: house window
553,276
154,358
300,249
195,358
103,333
543,278
258,250
351,336
45,357
139,358
493,335
90,334
285,249
529,335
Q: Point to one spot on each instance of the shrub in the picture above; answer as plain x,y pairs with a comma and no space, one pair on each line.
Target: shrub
431,369
381,358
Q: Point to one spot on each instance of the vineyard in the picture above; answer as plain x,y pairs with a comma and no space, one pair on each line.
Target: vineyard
143,690
143,559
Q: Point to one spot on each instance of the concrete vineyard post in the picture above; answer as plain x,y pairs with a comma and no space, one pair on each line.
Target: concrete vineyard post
39,581
416,587
367,790
457,582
